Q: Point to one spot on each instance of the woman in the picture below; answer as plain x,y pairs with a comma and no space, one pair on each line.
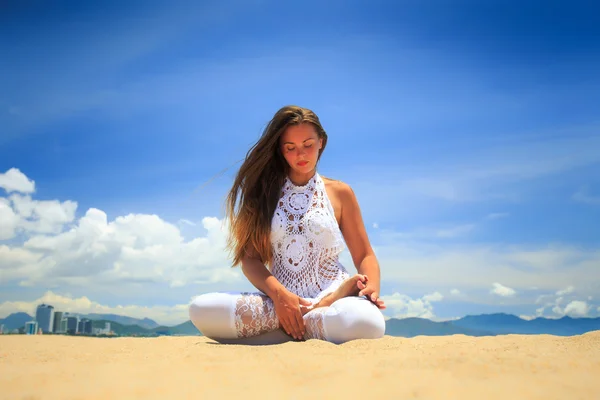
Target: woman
296,222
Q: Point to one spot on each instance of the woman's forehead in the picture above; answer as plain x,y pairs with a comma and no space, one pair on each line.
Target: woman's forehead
299,133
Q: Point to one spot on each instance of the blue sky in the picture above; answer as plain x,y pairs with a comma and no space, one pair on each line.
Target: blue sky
469,131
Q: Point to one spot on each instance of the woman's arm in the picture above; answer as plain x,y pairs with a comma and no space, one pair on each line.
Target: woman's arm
287,304
355,235
256,272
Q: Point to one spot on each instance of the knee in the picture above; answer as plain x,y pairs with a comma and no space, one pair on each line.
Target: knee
212,315
357,318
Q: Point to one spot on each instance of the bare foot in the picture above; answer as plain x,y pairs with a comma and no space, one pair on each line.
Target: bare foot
350,287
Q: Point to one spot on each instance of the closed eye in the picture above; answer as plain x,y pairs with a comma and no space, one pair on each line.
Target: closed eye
293,148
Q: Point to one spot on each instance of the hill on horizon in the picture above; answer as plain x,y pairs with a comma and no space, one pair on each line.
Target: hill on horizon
470,325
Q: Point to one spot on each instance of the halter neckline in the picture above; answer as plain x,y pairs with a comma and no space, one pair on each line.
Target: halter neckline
312,181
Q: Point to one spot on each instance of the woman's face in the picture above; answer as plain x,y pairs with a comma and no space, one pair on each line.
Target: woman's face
300,146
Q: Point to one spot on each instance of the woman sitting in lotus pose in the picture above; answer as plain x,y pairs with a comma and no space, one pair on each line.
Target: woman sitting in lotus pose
287,233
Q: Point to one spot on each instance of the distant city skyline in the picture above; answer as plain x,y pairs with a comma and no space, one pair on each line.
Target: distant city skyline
48,320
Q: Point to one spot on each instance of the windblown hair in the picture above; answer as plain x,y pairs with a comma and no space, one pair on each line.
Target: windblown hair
252,200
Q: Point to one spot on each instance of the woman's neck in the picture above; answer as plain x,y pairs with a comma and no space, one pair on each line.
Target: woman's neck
300,179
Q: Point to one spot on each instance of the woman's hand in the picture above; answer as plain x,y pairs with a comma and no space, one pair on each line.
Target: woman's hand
371,292
287,308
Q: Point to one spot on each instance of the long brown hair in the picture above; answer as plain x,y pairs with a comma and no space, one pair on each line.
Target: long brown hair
258,185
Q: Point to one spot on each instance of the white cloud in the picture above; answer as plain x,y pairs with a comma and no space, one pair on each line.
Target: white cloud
441,232
375,225
502,290
540,311
528,317
567,290
574,306
542,298
9,220
186,222
477,176
46,216
455,231
546,267
19,213
497,215
403,306
433,297
558,310
95,253
167,315
583,196
14,180
131,248
577,308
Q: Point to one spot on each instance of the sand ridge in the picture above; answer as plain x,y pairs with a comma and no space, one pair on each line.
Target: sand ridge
446,367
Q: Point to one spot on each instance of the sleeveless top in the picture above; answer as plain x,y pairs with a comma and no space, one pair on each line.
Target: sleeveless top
307,241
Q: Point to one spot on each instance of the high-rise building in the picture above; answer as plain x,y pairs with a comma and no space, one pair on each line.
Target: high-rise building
63,324
72,324
56,328
31,328
44,315
84,326
87,326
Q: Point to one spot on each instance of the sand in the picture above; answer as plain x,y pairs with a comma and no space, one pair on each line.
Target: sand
450,367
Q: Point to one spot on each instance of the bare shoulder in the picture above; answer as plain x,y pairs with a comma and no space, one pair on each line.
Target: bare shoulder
342,190
333,183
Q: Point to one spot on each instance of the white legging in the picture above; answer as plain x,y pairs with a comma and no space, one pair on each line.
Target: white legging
250,318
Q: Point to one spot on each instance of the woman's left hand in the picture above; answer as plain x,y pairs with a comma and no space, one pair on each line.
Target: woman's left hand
372,294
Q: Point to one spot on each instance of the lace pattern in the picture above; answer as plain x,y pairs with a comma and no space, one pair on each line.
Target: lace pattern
307,241
254,314
315,324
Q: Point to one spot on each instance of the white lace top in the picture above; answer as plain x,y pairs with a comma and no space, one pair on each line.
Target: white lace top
307,241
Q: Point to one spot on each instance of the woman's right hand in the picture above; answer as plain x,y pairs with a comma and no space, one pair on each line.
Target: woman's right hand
287,308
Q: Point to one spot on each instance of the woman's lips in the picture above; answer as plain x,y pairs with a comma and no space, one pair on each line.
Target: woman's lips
302,163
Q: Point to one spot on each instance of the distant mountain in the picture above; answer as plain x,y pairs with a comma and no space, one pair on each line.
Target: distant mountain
411,327
507,324
123,320
471,325
15,320
186,329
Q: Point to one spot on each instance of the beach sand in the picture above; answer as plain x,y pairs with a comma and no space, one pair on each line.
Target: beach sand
450,367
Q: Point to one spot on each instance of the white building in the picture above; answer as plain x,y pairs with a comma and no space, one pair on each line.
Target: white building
31,328
102,331
63,325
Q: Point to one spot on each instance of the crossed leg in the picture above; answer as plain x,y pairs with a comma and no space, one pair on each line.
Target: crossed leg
242,317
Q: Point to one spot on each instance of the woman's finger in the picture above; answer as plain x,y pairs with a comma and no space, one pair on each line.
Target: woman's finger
286,326
300,321
292,323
